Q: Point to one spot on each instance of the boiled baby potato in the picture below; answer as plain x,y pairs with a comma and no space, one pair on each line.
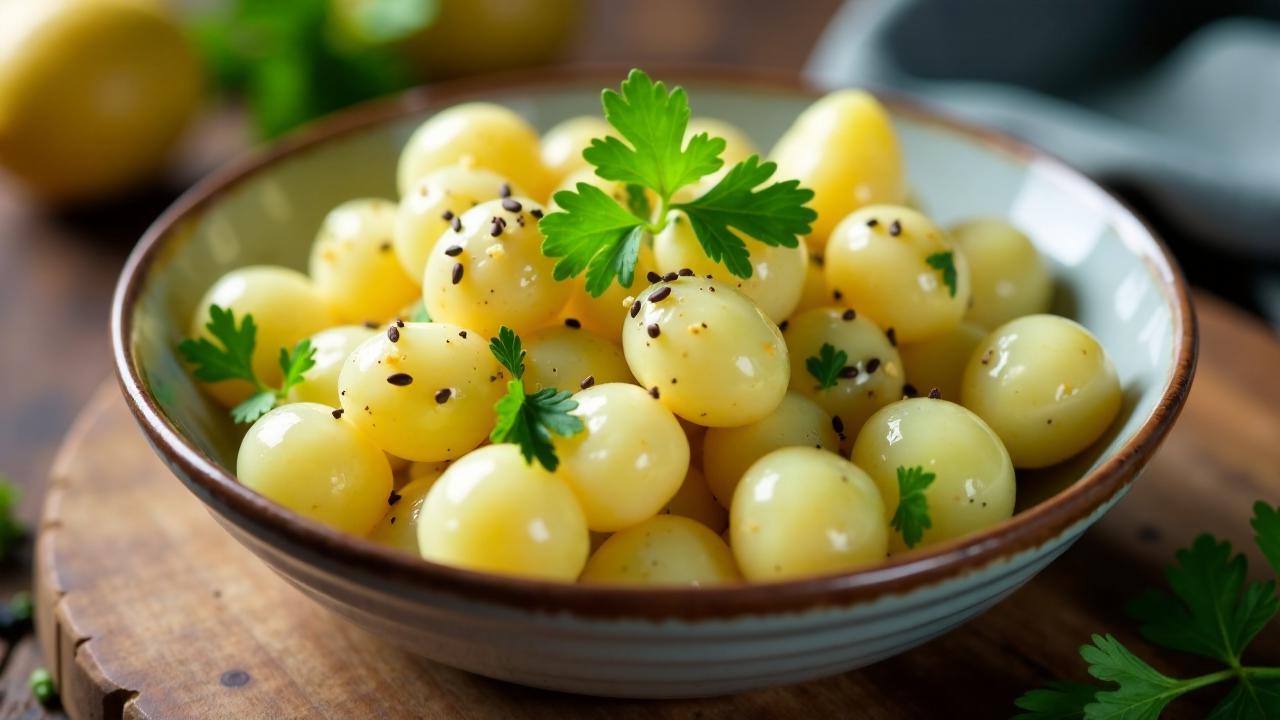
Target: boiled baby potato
1046,387
488,270
568,357
628,461
939,362
815,292
801,511
777,273
428,209
478,133
423,391
872,376
399,527
333,347
664,550
893,264
1009,277
286,308
706,352
728,452
353,264
844,149
973,486
563,144
494,512
695,501
310,459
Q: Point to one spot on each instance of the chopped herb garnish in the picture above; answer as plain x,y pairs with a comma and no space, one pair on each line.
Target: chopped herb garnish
231,358
530,420
593,233
945,263
826,366
41,684
911,518
1212,611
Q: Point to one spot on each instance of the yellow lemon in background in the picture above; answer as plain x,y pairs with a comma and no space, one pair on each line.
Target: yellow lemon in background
93,94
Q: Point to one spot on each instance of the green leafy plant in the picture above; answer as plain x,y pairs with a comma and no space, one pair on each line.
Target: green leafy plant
945,263
911,518
294,61
231,358
825,367
593,233
1209,610
530,420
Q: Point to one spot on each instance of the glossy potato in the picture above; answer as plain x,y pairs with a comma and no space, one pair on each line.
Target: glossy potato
630,459
399,527
777,277
286,308
428,208
426,396
481,280
815,292
695,501
663,551
1045,385
562,145
1008,276
800,512
708,352
842,147
874,380
319,466
480,134
604,315
353,263
973,486
879,262
564,357
729,452
494,512
333,347
939,362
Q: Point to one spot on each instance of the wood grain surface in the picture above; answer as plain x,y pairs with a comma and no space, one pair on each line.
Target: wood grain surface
148,609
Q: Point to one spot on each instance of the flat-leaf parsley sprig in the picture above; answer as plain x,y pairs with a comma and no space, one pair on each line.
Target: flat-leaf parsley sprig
911,518
593,233
828,366
1211,612
231,358
529,420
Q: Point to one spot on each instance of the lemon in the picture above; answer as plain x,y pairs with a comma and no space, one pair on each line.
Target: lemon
93,93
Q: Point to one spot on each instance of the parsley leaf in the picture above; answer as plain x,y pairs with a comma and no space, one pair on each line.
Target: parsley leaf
1207,614
654,122
1060,700
1266,528
1251,698
945,262
231,358
774,216
530,420
638,201
592,232
825,367
911,518
1143,691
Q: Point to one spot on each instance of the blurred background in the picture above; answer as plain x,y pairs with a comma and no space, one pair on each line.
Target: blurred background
111,108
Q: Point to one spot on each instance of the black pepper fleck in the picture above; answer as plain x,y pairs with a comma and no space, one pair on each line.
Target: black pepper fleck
504,190
837,295
573,323
399,380
457,225
873,222
653,330
453,250
895,228
635,308
685,272
512,205
447,215
873,364
653,392
337,414
587,382
443,395
393,498
848,315
457,273
670,277
934,393
537,213
848,372
892,335
653,277
910,391
837,424
662,294
371,324
393,334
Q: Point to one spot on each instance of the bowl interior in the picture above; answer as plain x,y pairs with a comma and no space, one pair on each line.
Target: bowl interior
1107,266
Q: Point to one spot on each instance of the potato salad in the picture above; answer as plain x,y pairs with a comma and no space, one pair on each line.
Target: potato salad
633,351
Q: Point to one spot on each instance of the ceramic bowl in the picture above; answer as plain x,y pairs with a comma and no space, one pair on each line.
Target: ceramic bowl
1112,274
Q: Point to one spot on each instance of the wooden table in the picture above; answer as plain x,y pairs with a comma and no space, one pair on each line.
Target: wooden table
57,271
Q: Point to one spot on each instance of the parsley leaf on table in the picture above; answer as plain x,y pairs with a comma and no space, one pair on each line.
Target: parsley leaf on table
231,358
945,263
11,530
530,420
1211,612
825,367
911,518
594,233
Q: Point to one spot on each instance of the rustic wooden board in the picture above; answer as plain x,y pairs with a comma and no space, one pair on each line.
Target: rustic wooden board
147,609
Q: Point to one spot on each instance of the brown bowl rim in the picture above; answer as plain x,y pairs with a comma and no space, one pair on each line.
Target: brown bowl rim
1023,532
